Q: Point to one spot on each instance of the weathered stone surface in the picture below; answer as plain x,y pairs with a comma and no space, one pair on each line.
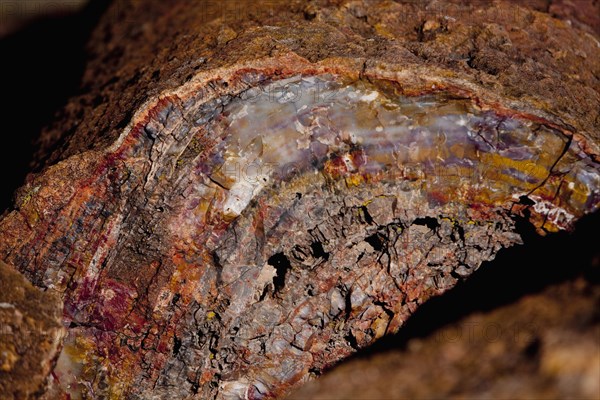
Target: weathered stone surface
544,346
247,193
31,334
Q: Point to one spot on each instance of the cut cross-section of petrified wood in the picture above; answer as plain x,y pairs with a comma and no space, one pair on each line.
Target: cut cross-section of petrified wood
247,205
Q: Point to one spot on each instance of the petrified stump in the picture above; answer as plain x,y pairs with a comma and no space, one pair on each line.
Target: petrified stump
247,193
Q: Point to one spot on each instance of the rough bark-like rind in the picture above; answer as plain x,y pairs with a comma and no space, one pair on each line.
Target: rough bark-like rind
515,56
109,225
31,334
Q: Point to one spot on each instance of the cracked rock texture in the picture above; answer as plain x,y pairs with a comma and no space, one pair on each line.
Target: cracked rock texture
544,346
244,194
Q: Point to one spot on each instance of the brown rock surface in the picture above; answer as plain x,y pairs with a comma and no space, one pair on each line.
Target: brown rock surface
31,334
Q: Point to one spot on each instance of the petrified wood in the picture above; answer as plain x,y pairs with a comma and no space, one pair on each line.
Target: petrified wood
246,193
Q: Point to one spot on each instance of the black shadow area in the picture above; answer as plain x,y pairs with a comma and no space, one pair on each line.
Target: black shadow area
41,66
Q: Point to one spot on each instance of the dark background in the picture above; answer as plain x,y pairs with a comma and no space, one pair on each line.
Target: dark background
42,57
